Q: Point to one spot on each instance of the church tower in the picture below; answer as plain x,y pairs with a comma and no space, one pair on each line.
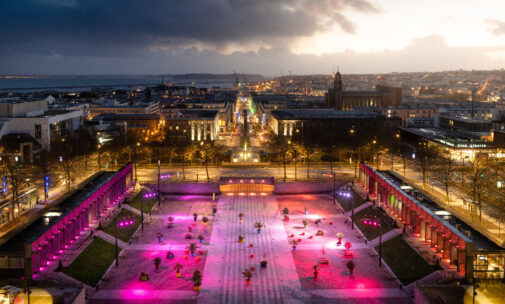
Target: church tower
337,90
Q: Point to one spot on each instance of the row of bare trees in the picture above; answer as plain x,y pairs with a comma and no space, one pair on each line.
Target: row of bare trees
478,180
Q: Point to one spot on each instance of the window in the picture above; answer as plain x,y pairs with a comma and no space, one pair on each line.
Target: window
38,131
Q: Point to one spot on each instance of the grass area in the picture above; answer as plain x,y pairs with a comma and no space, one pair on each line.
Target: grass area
404,261
371,213
354,201
148,203
92,263
123,233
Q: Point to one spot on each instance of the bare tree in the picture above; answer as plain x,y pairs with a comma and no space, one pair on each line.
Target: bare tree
424,156
475,190
15,177
445,167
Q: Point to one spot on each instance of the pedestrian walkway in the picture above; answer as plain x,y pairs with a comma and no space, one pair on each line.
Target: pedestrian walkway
110,238
227,259
385,237
151,294
362,207
368,293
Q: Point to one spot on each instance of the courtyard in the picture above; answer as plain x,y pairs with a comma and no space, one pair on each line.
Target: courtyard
288,276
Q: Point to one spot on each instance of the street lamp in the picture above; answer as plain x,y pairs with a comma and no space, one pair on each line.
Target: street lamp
334,188
123,223
159,163
376,223
373,154
46,189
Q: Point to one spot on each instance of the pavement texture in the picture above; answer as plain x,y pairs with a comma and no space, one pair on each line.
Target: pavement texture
288,277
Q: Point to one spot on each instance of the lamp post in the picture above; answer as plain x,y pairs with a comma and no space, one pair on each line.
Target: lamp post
373,154
135,159
99,163
295,165
115,236
158,196
352,211
334,188
141,211
380,243
376,223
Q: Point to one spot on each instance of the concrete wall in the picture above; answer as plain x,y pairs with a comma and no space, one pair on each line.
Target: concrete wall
188,188
302,187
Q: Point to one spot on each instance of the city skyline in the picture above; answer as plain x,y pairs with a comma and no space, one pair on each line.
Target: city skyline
304,37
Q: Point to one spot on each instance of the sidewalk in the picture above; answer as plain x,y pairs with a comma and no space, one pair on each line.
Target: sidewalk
487,225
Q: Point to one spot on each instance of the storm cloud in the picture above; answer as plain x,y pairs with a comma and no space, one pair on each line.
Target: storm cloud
129,27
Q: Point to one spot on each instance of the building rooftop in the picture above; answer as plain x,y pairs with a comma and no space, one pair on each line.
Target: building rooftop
453,139
451,221
307,114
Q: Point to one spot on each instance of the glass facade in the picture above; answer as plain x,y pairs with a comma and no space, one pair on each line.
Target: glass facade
489,265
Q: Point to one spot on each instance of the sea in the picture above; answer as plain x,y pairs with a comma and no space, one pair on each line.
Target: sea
63,83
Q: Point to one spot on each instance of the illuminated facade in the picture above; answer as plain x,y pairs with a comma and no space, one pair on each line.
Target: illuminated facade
30,250
464,249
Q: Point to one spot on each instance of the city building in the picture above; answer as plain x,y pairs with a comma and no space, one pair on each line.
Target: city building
342,100
144,127
188,125
114,107
327,126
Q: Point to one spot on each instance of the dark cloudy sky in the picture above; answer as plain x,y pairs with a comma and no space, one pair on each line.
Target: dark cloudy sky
254,36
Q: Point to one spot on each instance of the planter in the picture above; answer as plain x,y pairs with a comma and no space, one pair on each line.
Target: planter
250,245
294,248
196,288
305,226
241,220
178,274
263,264
351,270
259,231
251,256
201,241
192,253
248,282
316,274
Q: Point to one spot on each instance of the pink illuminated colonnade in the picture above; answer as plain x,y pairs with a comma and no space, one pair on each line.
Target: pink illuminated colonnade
53,241
448,243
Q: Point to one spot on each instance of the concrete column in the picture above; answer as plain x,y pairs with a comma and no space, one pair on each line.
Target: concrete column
43,255
440,241
427,235
447,248
49,250
434,236
422,229
36,261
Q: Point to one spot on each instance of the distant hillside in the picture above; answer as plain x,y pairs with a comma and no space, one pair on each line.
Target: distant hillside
213,76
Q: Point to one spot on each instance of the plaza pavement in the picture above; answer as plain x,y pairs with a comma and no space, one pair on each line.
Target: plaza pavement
225,259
